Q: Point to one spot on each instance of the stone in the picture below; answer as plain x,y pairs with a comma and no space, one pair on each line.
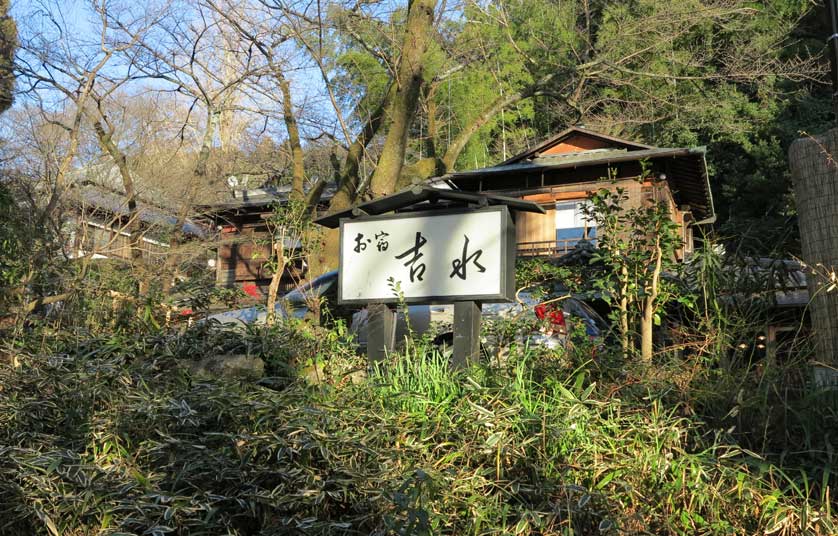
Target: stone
318,374
239,367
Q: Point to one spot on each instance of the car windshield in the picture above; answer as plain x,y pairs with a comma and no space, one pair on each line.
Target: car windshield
584,310
573,306
312,289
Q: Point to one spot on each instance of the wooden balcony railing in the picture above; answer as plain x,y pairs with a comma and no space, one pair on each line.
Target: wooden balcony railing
547,248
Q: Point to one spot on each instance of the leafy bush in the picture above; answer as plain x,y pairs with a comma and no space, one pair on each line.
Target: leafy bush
28,252
530,271
106,431
118,438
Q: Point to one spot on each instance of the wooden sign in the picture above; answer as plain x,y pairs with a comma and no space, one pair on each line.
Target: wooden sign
428,257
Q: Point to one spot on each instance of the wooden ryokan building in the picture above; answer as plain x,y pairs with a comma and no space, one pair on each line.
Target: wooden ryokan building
243,248
561,172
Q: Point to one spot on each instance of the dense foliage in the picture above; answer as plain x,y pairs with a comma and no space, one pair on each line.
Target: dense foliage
114,434
743,79
8,47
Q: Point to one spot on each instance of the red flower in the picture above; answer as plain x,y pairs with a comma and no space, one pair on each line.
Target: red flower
251,289
185,312
551,313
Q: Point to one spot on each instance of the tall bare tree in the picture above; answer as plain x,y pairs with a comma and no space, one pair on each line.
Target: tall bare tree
253,26
77,71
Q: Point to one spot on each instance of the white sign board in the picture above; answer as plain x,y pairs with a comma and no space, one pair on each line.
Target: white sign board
436,257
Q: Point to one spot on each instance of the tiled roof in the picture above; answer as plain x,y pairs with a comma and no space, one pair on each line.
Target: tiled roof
99,198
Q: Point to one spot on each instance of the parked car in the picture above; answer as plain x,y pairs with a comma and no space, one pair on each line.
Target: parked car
296,304
551,323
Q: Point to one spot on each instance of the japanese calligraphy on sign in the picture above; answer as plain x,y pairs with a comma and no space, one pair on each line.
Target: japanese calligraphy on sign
435,257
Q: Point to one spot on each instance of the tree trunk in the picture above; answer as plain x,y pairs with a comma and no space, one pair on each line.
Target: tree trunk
206,144
8,46
646,332
459,143
350,180
420,171
133,228
63,169
349,184
649,303
409,79
623,311
436,166
276,277
429,98
815,173
297,162
199,173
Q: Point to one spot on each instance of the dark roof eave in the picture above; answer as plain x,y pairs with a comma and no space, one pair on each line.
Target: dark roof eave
705,212
420,194
709,217
647,154
217,208
103,201
223,207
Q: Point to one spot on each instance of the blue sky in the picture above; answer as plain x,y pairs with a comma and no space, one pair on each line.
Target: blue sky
76,18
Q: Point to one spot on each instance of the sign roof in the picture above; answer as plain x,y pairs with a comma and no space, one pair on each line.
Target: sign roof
427,196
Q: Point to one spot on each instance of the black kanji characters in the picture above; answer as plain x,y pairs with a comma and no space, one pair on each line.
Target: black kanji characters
461,264
360,244
381,242
417,271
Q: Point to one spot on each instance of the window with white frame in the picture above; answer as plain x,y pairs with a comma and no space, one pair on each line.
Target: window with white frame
572,224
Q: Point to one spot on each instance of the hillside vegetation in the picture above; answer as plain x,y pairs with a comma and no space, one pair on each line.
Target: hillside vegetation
114,436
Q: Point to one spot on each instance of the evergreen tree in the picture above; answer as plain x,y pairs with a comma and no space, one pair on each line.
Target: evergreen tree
8,45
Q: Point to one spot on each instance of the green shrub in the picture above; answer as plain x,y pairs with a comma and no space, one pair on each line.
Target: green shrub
118,438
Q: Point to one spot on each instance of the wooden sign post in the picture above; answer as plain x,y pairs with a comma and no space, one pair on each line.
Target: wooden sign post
381,332
461,256
467,315
461,251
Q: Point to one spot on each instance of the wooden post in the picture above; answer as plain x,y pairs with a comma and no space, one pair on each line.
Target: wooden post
381,332
771,345
466,334
832,41
815,173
